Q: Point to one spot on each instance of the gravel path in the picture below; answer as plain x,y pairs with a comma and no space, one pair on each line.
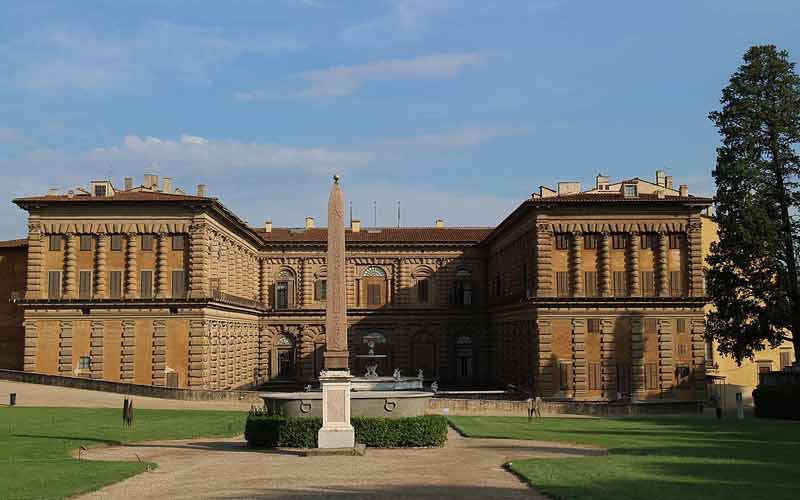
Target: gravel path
226,468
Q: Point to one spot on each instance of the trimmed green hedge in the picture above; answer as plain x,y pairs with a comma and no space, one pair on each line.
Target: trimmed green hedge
782,401
273,431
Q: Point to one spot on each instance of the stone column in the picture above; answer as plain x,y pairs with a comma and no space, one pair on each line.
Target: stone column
70,266
198,260
128,355
65,348
604,274
198,354
576,249
33,286
694,241
666,367
698,357
131,272
404,283
608,372
633,264
579,358
637,359
544,262
307,287
100,254
159,353
162,277
31,345
662,273
96,349
545,369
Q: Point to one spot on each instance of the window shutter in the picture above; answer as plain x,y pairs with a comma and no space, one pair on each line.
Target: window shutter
675,283
146,284
115,284
54,284
590,280
290,295
594,376
85,285
178,283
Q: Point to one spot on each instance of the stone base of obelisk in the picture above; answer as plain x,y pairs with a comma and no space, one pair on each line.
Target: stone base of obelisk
336,430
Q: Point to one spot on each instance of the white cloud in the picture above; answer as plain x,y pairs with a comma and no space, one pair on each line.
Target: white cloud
63,58
404,20
345,80
10,136
466,136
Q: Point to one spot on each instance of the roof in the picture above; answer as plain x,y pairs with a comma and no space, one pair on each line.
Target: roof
20,243
117,196
380,235
617,197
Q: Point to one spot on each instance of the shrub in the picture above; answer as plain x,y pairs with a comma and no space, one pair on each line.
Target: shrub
781,401
301,432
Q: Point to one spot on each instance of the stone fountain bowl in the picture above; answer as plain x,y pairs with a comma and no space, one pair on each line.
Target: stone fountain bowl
388,404
360,384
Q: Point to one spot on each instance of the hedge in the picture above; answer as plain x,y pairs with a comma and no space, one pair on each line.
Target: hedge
781,401
273,431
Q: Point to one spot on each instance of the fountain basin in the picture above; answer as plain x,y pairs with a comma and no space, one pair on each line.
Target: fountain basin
387,404
360,384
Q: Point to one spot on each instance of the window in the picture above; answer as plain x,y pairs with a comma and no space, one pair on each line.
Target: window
785,358
675,283
651,376
650,325
619,240
562,284
100,190
86,242
116,242
374,294
55,242
85,362
676,240
497,290
179,283
649,240
590,241
709,351
85,284
282,295
115,284
463,287
178,242
593,325
682,373
146,284
564,376
321,290
629,190
591,283
147,242
763,367
620,284
524,278
423,292
680,325
648,283
594,376
54,285
562,241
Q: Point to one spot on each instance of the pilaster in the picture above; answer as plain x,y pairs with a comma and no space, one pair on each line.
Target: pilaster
159,352
162,281
698,355
579,358
263,281
604,257
608,372
694,241
65,348
96,349
33,287
70,266
100,255
576,267
198,354
666,367
128,347
131,274
662,274
544,260
307,287
198,260
637,358
31,345
633,264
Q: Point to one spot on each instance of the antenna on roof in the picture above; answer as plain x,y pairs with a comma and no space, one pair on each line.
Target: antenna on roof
375,214
398,213
351,213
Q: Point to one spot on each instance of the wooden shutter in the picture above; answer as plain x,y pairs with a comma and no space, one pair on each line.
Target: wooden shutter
650,325
85,284
620,284
116,242
146,284
648,283
86,242
54,242
680,325
178,283
373,294
54,284
178,242
115,284
594,376
562,283
590,241
675,283
786,358
590,283
651,376
147,242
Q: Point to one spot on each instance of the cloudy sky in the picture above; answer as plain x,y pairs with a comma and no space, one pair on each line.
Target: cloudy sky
457,109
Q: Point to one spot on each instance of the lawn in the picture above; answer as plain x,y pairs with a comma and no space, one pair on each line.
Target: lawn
35,445
654,459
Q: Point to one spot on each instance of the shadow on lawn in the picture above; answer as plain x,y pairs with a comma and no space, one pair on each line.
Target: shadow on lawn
68,438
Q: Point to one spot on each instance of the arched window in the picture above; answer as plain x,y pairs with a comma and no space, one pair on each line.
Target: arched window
422,282
284,289
464,357
463,288
374,288
374,272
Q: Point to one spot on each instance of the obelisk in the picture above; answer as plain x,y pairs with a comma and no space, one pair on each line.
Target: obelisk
336,431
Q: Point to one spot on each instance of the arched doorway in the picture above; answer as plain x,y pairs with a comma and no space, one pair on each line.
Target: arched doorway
283,362
465,358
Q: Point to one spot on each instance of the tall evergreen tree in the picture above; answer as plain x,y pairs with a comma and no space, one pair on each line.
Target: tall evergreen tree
753,277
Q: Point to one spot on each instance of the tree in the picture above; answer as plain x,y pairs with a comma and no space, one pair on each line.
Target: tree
752,281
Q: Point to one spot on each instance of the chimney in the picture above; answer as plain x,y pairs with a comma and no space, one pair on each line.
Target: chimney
128,183
355,225
309,222
268,226
439,223
570,187
602,182
167,185
201,190
684,190
70,194
52,192
660,194
668,182
660,178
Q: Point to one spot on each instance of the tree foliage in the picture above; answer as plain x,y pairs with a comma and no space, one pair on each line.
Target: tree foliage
752,281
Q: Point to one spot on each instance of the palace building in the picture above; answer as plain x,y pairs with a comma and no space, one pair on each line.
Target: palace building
586,294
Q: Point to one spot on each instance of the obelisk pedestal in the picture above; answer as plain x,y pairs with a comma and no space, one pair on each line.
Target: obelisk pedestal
336,431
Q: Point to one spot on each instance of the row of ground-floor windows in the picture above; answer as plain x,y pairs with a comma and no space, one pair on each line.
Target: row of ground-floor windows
622,372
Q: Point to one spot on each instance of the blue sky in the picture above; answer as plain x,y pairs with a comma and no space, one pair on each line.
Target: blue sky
457,109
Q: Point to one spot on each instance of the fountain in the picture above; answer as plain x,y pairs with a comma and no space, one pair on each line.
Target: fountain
371,381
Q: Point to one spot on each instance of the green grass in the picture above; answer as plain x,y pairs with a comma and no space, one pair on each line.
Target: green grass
35,445
657,459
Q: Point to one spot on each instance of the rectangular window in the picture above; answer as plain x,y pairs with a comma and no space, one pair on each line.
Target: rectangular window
650,325
282,295
115,284
84,362
763,367
497,289
55,242
709,351
86,242
374,294
179,283
619,241
147,242
593,325
676,283
680,325
100,190
321,290
590,283
116,242
54,284
564,376
146,284
594,376
85,284
651,376
422,291
562,241
629,190
649,240
562,284
648,283
676,240
785,358
179,242
590,241
620,284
